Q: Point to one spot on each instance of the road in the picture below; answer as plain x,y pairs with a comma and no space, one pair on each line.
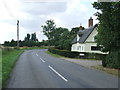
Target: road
36,69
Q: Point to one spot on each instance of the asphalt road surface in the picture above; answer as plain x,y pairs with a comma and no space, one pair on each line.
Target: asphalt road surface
36,69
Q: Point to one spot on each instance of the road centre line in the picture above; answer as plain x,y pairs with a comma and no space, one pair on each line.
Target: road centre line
57,73
37,54
42,60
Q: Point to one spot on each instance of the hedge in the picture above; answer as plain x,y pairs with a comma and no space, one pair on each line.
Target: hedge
77,54
112,60
64,53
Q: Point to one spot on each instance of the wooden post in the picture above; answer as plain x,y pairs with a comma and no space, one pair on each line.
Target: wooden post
18,33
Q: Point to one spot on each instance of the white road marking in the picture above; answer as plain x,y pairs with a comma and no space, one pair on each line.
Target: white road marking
37,54
58,73
42,60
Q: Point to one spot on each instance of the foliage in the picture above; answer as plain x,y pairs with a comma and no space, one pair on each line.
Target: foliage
64,39
27,38
64,53
108,31
59,37
49,29
33,37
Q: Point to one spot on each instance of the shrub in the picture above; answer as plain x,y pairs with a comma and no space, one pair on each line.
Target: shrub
112,60
64,53
76,54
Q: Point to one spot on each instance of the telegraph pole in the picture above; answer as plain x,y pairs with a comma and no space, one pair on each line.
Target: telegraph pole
18,33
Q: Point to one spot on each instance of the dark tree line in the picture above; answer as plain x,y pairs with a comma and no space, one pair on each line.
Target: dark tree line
29,40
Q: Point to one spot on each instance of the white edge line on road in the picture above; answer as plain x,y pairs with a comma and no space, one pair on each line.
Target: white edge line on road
58,73
42,60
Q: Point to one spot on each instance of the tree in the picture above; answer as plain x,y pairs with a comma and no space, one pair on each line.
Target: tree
108,31
58,33
6,43
33,37
49,29
27,38
73,32
13,43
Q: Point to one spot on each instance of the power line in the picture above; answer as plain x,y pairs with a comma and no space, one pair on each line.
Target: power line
7,8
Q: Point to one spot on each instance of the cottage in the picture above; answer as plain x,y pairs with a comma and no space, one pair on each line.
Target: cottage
85,39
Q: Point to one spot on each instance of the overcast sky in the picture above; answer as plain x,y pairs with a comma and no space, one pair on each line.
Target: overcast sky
34,13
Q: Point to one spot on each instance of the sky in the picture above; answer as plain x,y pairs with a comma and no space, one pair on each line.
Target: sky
32,14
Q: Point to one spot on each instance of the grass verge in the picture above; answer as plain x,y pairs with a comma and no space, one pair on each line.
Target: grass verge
8,61
55,55
30,48
107,70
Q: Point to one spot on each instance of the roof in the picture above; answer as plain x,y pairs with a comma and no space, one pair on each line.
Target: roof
84,34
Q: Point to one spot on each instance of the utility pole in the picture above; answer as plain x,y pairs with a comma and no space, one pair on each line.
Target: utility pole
18,33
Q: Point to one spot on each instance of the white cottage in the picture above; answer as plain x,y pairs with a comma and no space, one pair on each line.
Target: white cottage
85,39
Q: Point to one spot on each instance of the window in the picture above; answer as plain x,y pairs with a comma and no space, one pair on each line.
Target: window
95,48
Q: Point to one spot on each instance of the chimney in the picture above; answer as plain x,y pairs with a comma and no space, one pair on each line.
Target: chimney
90,22
81,28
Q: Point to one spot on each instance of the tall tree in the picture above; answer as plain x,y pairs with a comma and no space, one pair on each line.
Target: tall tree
27,38
108,30
33,37
49,29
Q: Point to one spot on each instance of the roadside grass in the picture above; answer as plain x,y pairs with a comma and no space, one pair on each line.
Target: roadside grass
107,70
30,48
55,55
8,61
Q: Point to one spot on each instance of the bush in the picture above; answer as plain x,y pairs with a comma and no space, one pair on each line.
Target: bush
64,53
112,60
76,54
92,56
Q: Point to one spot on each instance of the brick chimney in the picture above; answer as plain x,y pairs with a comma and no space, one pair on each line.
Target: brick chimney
90,22
81,28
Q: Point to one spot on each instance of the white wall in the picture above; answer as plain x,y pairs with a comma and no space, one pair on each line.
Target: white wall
77,47
86,47
92,36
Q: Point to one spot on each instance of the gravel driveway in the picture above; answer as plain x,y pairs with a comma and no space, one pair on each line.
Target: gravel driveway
85,63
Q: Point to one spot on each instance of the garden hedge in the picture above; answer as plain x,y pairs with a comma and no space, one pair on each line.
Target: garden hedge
76,54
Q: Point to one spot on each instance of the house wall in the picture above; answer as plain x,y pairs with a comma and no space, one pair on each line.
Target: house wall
78,47
92,36
85,47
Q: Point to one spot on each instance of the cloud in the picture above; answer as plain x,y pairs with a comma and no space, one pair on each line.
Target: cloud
44,8
65,13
